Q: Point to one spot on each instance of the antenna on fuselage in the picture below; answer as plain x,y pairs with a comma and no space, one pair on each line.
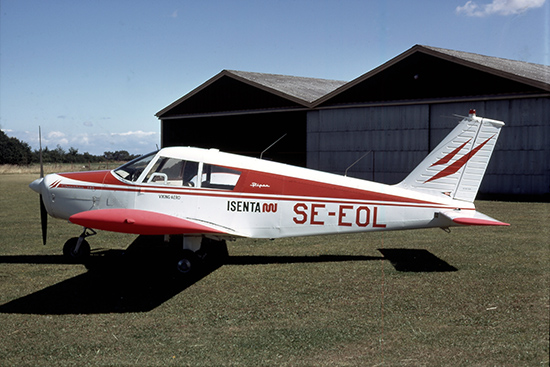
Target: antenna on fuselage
276,141
354,163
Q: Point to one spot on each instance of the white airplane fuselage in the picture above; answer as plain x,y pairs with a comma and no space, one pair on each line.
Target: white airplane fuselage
193,191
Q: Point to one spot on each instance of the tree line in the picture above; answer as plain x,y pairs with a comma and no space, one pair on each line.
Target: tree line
17,152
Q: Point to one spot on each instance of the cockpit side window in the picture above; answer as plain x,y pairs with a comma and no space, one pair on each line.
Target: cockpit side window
133,169
173,171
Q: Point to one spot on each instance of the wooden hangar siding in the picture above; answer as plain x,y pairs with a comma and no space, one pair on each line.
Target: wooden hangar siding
399,111
405,107
399,137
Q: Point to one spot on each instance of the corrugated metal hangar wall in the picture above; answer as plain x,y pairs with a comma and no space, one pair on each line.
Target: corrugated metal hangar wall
399,137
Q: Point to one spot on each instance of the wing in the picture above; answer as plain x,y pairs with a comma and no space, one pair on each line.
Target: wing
143,222
471,218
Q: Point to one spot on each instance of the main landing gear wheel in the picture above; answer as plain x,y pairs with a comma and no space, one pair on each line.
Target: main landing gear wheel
187,262
75,252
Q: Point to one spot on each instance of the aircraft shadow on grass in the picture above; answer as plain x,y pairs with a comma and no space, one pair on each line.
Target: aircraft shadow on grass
141,278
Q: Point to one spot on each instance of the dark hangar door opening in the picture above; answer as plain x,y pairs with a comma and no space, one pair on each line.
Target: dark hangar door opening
243,134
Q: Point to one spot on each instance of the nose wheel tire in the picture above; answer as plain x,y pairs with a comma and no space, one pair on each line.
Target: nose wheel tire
75,252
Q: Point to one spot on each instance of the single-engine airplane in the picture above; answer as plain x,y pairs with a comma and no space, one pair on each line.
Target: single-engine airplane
209,196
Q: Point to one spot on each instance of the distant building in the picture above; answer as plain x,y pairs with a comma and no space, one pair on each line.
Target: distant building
398,112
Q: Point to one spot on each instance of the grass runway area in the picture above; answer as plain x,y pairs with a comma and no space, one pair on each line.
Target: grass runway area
477,296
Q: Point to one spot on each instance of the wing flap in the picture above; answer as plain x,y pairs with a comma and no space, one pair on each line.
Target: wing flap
139,222
472,218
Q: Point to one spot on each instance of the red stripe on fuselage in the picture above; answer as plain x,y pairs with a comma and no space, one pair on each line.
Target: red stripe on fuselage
89,176
291,186
257,185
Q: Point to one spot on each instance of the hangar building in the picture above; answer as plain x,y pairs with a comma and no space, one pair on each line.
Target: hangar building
395,114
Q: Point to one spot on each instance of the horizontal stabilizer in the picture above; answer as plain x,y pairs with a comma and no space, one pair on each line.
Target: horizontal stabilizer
471,218
139,222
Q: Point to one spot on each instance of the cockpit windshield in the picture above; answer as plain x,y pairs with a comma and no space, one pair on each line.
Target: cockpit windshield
133,169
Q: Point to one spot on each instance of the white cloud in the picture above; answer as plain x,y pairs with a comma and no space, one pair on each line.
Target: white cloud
55,135
138,133
498,7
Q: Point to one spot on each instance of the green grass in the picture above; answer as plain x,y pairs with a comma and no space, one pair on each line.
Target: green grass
331,300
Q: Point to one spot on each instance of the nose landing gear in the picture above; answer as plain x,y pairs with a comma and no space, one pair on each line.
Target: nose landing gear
77,249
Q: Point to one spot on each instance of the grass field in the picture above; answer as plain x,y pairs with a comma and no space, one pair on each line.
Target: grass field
476,296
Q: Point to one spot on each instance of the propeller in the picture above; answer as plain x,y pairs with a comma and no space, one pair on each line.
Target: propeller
43,211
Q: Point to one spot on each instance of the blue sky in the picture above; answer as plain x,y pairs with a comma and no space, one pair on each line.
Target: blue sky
92,74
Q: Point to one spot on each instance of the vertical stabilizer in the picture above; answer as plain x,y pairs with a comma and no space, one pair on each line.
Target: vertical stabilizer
456,166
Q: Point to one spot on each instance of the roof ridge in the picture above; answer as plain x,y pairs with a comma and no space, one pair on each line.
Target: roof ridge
451,51
242,72
305,89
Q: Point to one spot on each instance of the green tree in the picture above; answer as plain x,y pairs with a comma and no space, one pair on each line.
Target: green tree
57,155
119,155
14,151
72,155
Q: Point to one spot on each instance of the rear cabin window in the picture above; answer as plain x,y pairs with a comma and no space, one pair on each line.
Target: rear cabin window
217,177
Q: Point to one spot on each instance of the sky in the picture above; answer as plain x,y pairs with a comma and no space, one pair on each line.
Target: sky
93,74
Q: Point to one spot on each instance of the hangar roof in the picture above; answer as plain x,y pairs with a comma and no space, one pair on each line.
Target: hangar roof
529,73
305,89
420,73
425,72
232,90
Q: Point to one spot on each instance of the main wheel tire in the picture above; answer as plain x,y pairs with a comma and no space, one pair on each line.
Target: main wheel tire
186,263
73,256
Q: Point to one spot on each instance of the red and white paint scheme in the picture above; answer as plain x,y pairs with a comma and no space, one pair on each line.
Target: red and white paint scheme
201,193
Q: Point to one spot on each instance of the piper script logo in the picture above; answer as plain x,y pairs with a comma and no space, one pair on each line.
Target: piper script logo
255,184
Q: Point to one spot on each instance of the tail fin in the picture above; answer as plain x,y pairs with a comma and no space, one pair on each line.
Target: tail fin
456,166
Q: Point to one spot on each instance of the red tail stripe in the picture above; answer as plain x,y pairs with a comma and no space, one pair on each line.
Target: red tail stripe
459,163
450,156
